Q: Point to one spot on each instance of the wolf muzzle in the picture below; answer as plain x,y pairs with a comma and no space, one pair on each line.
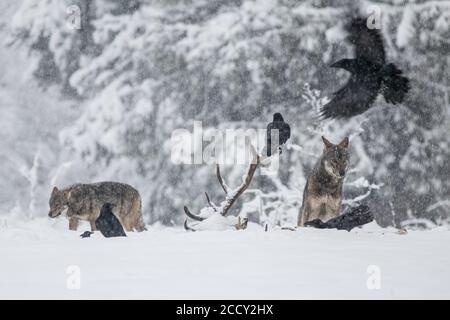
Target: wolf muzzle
54,215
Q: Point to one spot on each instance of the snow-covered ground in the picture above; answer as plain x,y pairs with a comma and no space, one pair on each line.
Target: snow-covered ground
36,259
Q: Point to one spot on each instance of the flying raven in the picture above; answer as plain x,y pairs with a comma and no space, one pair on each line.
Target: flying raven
108,224
284,133
370,75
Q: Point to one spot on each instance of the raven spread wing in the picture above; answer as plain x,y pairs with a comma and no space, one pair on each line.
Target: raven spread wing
285,134
368,42
354,98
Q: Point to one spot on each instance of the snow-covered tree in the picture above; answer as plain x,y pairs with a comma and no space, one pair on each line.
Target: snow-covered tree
150,67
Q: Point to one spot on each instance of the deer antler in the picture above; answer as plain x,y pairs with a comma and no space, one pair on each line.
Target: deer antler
231,198
231,194
191,215
225,188
187,227
212,205
196,217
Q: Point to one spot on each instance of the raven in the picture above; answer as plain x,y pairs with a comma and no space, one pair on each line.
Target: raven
347,221
86,234
108,224
284,133
370,75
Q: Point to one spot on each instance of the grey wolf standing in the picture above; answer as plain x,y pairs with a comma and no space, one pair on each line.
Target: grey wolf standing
84,202
322,196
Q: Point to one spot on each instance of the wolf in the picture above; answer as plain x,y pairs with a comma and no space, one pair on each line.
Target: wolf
322,195
85,201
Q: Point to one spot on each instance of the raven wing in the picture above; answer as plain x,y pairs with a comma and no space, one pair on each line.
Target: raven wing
354,98
108,224
116,227
285,133
368,42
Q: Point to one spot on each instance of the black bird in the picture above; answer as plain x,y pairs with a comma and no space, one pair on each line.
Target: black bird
86,234
347,221
370,75
108,224
284,133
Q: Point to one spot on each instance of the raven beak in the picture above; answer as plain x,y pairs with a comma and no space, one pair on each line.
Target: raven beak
335,65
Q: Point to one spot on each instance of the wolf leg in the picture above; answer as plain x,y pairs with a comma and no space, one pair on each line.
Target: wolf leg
300,219
140,226
135,219
138,223
73,224
93,227
304,214
126,222
128,225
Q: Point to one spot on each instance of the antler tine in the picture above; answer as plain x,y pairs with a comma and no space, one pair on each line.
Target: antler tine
187,227
219,177
209,202
231,194
256,157
191,215
246,181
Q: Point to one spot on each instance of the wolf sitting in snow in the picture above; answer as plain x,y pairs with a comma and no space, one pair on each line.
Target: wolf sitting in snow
323,191
85,201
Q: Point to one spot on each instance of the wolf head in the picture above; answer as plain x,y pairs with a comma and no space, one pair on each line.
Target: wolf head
335,158
58,203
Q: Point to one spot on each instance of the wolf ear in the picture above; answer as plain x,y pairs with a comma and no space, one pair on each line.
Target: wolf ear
66,194
328,144
344,143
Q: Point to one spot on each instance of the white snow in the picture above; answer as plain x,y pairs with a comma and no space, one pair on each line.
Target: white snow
406,31
214,222
172,263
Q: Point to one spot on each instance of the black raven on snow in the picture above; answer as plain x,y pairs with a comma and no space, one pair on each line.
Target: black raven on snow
370,75
108,224
284,133
86,234
356,217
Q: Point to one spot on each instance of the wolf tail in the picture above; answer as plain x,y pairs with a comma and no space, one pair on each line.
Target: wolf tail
394,86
